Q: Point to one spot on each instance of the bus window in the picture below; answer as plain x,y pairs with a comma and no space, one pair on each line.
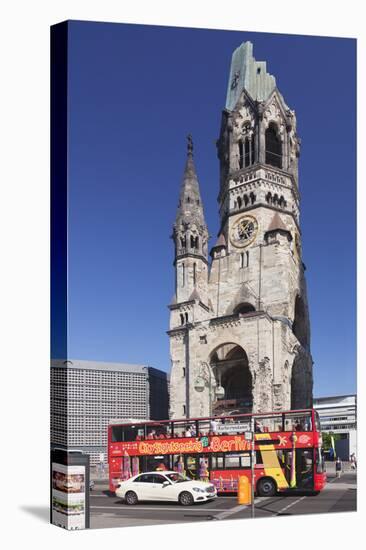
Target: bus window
116,434
203,468
177,464
300,422
317,421
237,460
190,463
156,431
217,461
270,424
184,429
258,458
130,433
157,463
203,427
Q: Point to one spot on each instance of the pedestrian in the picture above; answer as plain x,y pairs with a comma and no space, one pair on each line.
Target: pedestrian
353,462
339,467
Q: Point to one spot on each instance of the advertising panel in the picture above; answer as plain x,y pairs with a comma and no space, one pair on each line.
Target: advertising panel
68,496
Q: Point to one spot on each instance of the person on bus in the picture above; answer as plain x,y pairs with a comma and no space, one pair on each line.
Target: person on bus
257,427
151,435
213,426
188,432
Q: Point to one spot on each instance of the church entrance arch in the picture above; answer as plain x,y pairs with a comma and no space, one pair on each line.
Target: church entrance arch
230,366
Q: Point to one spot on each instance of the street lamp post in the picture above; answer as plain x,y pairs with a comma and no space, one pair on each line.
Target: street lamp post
205,378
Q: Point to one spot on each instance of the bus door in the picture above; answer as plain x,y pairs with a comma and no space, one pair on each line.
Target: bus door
304,467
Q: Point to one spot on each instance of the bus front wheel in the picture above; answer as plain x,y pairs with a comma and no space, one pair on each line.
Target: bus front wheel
266,487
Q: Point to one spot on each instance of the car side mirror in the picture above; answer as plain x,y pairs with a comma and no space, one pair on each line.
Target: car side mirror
166,483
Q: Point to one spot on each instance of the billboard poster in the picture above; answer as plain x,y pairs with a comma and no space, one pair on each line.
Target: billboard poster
68,496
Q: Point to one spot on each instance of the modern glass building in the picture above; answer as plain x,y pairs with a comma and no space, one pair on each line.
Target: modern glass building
87,395
338,415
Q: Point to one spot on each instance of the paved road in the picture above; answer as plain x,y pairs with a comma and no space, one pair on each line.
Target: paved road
108,511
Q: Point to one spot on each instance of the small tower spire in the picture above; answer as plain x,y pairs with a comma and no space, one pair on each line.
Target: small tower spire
190,235
189,145
190,209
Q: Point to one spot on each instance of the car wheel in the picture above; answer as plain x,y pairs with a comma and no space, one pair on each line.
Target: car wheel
186,499
266,487
131,498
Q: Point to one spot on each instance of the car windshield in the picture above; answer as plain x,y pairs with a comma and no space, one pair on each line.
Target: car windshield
176,478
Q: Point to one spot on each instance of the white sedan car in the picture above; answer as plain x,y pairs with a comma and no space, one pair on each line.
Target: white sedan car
165,486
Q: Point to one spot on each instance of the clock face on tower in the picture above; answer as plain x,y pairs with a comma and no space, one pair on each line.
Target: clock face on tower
244,231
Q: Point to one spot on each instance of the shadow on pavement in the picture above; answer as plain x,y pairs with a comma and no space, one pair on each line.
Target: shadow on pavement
167,504
40,512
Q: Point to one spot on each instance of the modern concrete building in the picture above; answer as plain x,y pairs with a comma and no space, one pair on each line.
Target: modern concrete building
240,323
87,395
338,415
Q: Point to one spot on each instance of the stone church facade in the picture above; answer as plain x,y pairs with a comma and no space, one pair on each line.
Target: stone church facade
239,324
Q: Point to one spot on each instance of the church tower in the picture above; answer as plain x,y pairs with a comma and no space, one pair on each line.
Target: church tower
241,325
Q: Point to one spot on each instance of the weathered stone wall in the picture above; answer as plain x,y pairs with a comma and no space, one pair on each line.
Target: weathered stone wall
263,272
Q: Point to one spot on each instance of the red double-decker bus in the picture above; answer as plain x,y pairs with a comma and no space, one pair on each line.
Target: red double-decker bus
287,450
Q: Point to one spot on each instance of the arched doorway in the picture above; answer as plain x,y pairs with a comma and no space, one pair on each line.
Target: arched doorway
230,366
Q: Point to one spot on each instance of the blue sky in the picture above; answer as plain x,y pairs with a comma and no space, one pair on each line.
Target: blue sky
135,92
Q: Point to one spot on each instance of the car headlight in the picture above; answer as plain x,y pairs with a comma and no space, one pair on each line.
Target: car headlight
198,490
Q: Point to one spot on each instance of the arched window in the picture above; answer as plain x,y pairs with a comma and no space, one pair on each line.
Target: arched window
246,200
241,154
194,242
243,308
252,197
186,314
273,146
194,273
244,259
269,198
239,202
246,152
181,319
183,274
